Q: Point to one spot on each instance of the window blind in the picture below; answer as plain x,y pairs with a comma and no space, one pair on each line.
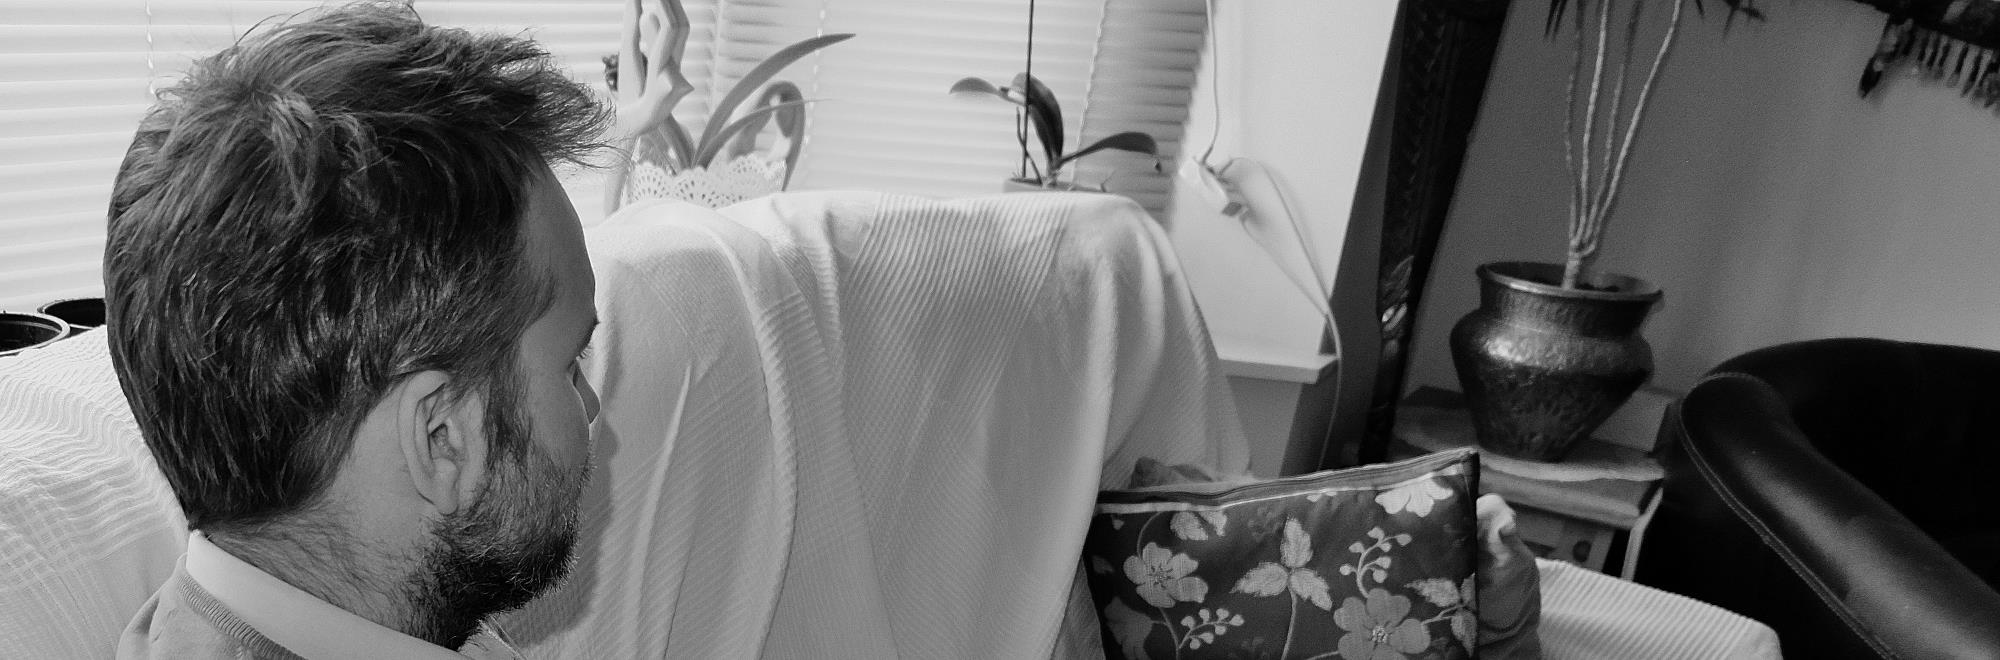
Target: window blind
884,120
76,75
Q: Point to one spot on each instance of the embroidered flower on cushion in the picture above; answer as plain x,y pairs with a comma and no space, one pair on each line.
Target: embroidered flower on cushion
1416,495
1165,576
1379,629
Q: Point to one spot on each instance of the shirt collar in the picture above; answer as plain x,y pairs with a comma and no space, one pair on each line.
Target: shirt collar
304,624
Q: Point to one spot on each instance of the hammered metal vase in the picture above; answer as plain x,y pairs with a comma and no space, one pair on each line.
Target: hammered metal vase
1542,366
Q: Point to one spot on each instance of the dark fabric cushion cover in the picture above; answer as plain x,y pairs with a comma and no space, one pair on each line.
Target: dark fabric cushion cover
1370,562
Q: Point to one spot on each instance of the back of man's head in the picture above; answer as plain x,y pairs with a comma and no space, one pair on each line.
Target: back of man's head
313,213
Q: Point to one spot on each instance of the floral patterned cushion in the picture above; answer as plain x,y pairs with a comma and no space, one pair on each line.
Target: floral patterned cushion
1367,563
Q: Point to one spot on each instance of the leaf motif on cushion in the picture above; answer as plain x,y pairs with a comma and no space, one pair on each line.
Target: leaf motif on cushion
1296,551
1312,587
1439,591
1267,579
1187,526
1465,625
1217,519
1129,628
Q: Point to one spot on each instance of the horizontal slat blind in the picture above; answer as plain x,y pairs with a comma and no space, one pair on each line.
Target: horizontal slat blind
885,121
76,75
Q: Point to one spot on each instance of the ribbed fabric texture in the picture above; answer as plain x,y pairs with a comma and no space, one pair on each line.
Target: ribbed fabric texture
848,425
688,518
1003,357
227,623
1587,615
88,526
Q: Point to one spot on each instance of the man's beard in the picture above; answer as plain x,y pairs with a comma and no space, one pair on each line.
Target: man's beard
514,543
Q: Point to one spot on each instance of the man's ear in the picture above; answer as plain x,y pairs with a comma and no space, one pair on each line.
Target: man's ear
444,441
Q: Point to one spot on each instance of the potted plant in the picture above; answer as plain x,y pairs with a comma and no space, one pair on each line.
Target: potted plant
1044,114
664,156
1554,349
1038,108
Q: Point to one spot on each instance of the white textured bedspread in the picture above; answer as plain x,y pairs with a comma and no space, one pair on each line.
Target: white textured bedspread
849,425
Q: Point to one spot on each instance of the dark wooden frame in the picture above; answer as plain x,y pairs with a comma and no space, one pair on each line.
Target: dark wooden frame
1445,55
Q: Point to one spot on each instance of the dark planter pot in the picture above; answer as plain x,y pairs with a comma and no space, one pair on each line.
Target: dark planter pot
20,331
80,313
1542,366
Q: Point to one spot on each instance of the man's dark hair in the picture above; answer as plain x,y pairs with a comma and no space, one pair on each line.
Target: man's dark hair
312,214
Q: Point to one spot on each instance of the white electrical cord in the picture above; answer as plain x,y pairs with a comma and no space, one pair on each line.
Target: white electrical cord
1228,181
1240,172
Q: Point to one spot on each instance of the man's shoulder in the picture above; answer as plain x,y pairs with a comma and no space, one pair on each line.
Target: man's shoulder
172,624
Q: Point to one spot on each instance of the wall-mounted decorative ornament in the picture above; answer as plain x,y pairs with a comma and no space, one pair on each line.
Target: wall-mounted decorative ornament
1953,42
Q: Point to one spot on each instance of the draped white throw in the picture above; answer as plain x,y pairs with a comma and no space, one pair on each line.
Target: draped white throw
903,407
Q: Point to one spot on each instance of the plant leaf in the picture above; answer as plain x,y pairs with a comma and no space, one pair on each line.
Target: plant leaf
1133,141
791,125
712,146
979,85
756,79
1046,113
678,146
789,120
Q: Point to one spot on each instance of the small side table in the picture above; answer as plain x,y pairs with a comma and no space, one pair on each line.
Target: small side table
1602,495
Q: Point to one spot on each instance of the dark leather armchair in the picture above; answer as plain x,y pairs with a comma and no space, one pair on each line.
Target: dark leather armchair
1845,492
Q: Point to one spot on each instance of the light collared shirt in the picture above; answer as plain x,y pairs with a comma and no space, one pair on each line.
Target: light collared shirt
310,627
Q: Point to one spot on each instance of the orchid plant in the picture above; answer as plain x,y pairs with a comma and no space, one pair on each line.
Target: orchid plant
1044,114
1038,108
1599,127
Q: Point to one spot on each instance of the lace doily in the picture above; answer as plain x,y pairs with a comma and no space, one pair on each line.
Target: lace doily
741,178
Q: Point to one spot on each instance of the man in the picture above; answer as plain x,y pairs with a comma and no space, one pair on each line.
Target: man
346,300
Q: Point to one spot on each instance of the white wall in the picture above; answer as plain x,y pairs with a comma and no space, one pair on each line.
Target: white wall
1766,198
1298,95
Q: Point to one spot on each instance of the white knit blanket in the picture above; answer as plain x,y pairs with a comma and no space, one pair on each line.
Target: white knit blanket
88,526
849,425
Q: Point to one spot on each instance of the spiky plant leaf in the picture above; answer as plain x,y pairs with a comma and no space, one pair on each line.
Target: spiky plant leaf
710,148
726,107
788,120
